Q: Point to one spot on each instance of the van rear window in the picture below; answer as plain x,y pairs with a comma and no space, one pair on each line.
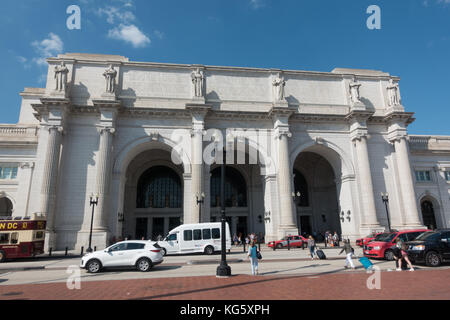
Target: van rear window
187,235
206,234
197,234
216,233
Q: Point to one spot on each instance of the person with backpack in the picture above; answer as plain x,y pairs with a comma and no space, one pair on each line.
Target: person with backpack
253,255
404,255
311,246
349,252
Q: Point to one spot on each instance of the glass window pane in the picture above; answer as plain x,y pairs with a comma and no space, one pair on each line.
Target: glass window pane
14,173
216,233
187,235
197,234
206,234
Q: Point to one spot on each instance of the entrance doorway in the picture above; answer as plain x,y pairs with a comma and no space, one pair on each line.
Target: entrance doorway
141,228
157,228
429,219
241,227
305,225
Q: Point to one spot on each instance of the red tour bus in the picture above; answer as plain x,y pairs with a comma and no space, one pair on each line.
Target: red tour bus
22,238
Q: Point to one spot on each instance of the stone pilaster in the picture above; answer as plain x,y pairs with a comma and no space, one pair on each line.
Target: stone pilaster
198,112
287,221
103,163
359,136
369,216
50,180
411,215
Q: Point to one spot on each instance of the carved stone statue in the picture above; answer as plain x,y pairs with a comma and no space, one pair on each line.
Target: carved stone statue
198,79
110,76
394,99
278,85
61,72
354,91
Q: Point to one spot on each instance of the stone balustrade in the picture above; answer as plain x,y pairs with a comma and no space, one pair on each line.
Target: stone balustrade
432,143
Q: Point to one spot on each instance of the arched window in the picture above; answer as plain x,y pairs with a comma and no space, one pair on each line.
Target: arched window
301,186
6,207
159,187
235,188
429,219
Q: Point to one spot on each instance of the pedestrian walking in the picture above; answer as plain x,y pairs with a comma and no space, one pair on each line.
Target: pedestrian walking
247,240
327,236
404,255
335,239
253,255
349,252
311,246
235,240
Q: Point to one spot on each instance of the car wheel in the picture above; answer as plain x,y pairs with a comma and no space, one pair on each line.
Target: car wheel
2,256
279,246
93,266
163,251
433,259
389,255
144,265
209,250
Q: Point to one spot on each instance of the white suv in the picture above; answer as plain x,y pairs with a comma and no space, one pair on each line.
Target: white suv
142,255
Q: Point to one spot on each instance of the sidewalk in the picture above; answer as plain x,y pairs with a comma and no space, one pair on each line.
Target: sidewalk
59,261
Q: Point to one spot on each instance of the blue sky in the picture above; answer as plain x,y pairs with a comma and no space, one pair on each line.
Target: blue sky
319,35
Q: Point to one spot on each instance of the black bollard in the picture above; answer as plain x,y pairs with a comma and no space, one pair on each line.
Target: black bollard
82,251
243,244
259,246
289,245
95,248
50,252
67,249
273,245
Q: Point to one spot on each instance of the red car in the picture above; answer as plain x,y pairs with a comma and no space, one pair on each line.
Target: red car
381,246
294,241
363,241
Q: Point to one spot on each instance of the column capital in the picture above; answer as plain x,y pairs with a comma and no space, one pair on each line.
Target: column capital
27,165
397,137
358,135
102,130
197,131
283,132
58,128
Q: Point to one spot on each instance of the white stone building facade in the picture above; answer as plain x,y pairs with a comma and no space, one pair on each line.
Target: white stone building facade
311,151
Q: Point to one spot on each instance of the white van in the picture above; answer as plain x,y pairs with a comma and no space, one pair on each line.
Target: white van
200,237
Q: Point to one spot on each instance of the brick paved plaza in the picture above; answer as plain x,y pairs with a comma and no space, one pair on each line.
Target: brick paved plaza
422,284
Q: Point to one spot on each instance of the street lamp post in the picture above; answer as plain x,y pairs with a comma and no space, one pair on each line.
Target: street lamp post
223,270
93,203
200,203
385,198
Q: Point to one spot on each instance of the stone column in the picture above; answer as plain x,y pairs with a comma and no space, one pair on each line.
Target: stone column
50,175
406,180
197,172
370,220
287,214
103,175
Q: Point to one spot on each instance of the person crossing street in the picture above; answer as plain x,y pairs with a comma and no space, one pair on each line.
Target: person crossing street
349,252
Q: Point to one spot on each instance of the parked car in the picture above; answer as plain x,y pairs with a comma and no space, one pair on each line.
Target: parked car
142,255
294,241
363,241
431,248
382,246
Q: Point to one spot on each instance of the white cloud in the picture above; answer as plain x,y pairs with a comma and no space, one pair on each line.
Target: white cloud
46,48
114,14
131,34
256,4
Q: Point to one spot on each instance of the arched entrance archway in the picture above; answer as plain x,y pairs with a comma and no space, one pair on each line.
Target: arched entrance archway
6,207
153,195
236,199
317,206
428,214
